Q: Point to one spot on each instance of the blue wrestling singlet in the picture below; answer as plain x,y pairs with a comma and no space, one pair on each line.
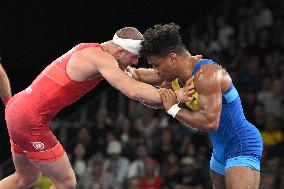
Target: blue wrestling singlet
236,141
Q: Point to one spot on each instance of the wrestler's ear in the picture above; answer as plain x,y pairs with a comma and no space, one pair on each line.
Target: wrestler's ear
119,51
173,58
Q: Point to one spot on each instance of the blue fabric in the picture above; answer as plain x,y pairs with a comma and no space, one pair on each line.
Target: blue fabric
217,166
235,136
243,161
239,161
201,63
230,95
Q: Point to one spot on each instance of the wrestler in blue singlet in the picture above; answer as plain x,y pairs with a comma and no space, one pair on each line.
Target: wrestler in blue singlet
236,141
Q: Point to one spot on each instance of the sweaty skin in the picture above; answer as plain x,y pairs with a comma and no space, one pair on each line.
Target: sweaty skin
210,81
104,65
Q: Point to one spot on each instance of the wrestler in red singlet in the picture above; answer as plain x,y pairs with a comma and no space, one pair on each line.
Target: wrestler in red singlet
29,113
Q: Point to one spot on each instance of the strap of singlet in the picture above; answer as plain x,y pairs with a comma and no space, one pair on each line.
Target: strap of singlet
197,67
230,95
200,63
59,75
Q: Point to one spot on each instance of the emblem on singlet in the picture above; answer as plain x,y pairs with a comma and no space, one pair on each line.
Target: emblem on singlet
38,145
28,90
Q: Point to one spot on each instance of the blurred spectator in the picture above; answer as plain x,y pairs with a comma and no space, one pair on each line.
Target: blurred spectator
187,176
225,31
133,183
186,147
126,130
170,169
93,176
272,133
103,127
251,77
272,98
137,167
247,33
135,109
115,165
262,15
150,180
259,116
268,180
164,145
281,177
264,43
83,136
78,161
147,124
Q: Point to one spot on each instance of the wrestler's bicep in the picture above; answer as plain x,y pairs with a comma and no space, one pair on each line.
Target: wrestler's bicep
210,95
211,106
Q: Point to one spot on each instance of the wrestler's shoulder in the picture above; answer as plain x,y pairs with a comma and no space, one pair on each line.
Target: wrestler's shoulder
96,55
212,76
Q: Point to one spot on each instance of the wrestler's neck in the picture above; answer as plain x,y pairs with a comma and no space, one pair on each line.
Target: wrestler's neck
187,64
107,47
110,48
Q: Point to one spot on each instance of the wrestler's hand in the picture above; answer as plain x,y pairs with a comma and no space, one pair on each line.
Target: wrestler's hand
189,86
198,57
168,97
132,72
185,94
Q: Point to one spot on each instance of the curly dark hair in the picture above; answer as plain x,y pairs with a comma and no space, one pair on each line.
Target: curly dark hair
162,40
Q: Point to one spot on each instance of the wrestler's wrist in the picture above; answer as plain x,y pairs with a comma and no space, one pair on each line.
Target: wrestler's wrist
173,110
6,99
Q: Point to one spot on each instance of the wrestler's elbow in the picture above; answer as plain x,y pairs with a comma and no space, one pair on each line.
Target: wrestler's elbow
212,126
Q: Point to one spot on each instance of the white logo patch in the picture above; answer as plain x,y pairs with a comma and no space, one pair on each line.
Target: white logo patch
38,145
28,90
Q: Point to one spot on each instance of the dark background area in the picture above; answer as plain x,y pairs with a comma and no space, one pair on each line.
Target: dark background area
32,34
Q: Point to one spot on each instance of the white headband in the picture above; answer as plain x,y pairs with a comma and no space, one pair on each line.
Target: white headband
131,45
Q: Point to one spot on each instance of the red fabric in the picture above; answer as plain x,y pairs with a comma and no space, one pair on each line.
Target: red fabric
29,113
154,184
50,155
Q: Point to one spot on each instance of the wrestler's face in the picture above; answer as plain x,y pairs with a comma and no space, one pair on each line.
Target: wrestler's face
165,66
127,58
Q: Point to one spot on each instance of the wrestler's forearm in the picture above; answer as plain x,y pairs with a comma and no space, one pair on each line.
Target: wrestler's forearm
146,75
129,86
144,92
197,119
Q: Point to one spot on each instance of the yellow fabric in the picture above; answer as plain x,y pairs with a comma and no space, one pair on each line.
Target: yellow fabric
271,138
193,104
43,182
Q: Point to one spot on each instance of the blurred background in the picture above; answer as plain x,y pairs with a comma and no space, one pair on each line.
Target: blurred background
117,143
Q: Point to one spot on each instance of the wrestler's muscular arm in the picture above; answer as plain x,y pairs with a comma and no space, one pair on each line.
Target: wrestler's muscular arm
108,67
145,75
149,75
209,81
